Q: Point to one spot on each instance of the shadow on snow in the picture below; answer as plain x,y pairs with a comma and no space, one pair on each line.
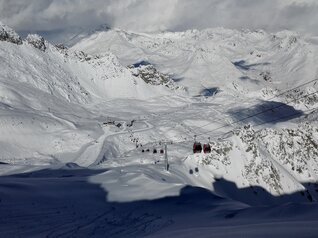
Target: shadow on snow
250,80
243,65
266,111
141,63
209,92
63,203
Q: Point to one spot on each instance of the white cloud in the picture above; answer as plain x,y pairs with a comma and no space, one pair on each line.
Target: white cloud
155,15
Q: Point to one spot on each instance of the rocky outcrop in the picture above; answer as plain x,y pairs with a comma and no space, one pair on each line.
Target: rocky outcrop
9,35
37,41
149,74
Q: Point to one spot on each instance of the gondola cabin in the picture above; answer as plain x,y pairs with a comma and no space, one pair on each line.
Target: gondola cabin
206,148
197,147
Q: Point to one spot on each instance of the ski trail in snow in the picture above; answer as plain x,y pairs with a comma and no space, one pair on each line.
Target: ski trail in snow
106,142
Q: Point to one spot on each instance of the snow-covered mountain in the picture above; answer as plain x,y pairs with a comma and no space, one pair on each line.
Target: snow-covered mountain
39,80
237,71
215,57
114,97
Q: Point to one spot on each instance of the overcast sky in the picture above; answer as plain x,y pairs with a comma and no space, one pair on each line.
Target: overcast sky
159,15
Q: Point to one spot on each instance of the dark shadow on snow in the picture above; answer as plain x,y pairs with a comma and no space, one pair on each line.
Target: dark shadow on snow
258,196
243,65
177,79
248,79
209,92
266,111
141,63
63,203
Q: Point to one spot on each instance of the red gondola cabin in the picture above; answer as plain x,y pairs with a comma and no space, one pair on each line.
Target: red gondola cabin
206,148
197,147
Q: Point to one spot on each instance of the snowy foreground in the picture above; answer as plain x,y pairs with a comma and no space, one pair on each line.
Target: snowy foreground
77,124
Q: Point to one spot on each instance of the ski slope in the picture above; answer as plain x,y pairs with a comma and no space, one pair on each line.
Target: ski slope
76,125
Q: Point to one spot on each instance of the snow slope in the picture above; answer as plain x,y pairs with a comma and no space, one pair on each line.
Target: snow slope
222,58
79,126
44,88
241,72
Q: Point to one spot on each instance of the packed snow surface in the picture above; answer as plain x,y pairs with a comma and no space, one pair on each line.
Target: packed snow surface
80,128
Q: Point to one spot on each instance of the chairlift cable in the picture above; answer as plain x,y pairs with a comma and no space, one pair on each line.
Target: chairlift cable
278,95
277,119
261,112
254,115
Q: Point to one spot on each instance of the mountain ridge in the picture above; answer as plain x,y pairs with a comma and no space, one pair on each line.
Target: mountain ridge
95,117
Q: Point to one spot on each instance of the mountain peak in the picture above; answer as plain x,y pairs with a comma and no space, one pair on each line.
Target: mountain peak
37,41
9,35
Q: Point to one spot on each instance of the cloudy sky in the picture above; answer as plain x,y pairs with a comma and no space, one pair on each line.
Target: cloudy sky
159,15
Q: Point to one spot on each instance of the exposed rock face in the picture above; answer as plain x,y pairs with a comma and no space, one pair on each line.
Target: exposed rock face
61,47
151,75
82,56
294,148
258,168
266,76
278,160
219,153
9,35
37,41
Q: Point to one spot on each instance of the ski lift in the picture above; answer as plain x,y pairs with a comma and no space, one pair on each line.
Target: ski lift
197,147
206,148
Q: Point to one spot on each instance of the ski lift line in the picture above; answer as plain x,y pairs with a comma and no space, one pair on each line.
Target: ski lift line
298,113
247,109
289,90
251,116
308,112
254,115
284,117
312,110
